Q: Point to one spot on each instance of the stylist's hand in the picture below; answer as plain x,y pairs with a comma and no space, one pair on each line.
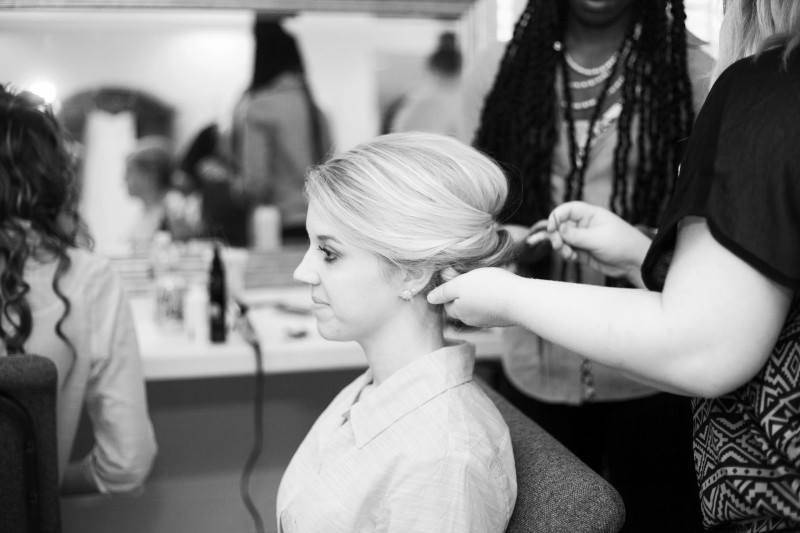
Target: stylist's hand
480,298
598,238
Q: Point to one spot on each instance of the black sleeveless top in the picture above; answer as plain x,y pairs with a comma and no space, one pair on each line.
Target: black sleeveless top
741,172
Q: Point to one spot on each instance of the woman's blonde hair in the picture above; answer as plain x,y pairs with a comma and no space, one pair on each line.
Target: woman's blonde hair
419,200
752,26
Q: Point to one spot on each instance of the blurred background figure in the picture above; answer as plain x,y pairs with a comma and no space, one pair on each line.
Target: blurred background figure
148,176
209,173
164,204
278,130
435,105
65,303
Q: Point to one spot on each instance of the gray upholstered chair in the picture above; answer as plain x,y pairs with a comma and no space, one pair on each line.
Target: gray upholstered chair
29,492
556,492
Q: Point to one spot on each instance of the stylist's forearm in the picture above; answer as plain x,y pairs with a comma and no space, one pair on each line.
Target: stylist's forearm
632,330
628,334
703,338
708,332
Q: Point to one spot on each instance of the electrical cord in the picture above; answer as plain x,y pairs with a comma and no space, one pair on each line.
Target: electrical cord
245,328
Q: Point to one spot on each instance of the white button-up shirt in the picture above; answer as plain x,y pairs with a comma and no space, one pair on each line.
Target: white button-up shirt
425,451
104,373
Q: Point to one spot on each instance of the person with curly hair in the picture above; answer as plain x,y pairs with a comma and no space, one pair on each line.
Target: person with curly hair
59,300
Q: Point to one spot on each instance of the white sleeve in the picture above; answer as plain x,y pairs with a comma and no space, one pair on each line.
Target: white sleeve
116,401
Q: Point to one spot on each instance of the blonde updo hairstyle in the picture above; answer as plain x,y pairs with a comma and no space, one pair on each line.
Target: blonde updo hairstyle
421,201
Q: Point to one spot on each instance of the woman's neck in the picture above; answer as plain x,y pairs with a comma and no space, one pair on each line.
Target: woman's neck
592,45
411,334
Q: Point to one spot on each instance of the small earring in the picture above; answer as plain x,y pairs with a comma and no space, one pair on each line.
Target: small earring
406,295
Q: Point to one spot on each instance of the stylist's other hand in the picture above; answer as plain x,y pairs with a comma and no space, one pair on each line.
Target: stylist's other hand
478,298
596,237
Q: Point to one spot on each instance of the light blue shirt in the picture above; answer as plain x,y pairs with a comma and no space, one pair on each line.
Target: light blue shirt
425,451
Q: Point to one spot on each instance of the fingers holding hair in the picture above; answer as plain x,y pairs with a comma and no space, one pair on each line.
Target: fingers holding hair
442,294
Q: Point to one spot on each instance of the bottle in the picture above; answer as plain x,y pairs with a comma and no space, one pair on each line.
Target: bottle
217,298
169,286
195,312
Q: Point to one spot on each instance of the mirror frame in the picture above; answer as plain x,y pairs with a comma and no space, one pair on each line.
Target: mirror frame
442,9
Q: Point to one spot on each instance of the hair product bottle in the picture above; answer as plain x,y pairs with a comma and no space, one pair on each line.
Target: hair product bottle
217,298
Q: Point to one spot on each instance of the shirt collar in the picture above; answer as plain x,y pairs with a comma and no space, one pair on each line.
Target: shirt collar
409,388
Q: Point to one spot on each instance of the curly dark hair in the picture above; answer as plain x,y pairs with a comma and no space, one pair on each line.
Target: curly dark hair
38,208
520,114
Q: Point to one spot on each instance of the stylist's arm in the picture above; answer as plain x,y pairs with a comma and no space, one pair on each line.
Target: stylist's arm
698,336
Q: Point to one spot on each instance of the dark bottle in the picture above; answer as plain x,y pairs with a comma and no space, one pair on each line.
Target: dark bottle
217,298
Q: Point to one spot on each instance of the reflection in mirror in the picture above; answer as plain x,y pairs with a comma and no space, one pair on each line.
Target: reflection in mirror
122,78
129,84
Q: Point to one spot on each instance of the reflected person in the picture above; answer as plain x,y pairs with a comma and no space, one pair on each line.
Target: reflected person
435,105
278,130
148,174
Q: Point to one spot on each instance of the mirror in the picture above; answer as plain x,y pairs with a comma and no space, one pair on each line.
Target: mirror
184,69
117,75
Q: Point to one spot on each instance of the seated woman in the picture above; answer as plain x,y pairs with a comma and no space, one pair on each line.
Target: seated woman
60,301
413,444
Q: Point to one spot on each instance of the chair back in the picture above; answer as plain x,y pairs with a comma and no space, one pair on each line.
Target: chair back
29,492
556,491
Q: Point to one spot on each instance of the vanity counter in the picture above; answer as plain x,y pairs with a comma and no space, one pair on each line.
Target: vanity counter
288,338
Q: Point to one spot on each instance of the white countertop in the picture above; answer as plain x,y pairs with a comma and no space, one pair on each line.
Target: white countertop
170,353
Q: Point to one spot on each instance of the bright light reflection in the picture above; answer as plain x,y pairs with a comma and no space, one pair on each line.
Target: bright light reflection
45,89
505,20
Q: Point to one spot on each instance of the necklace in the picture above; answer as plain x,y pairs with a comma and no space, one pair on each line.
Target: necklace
591,82
591,102
579,155
605,68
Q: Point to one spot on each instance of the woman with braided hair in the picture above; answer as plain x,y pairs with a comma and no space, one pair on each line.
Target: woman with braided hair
591,101
720,317
60,301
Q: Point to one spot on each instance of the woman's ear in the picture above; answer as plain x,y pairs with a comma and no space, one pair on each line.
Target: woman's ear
417,279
